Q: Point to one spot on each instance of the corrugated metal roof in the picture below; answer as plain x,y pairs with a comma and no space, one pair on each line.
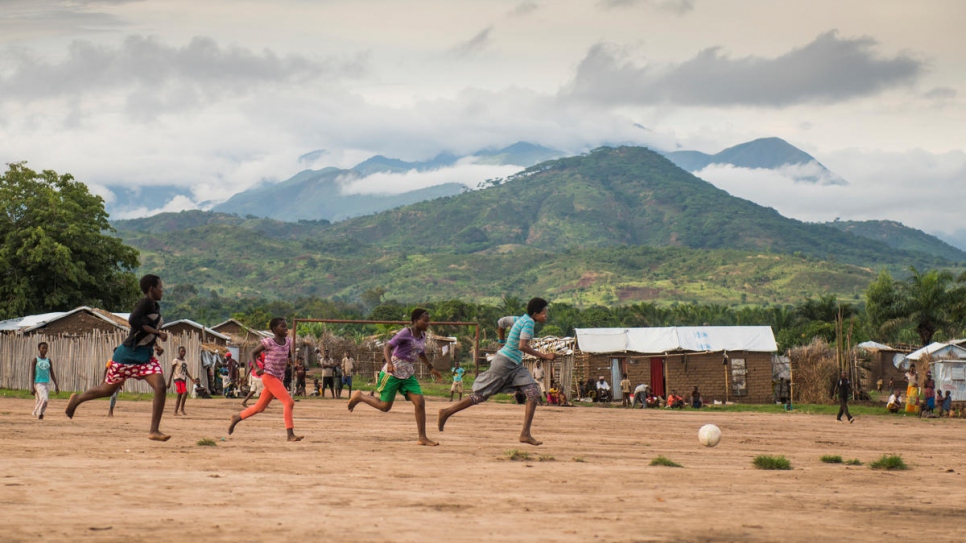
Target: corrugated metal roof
199,326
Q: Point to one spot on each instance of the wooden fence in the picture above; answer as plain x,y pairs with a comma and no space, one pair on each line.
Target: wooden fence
79,361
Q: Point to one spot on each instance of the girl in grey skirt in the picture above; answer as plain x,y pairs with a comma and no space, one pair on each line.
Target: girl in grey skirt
507,374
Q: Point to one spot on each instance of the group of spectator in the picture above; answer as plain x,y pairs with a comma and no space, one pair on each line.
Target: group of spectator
600,391
336,375
925,399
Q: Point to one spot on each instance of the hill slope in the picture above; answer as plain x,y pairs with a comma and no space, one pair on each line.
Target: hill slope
609,197
900,236
615,225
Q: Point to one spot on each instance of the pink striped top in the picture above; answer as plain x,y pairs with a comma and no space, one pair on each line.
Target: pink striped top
276,356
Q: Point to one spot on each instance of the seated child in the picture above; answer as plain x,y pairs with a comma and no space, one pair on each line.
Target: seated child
553,395
200,391
318,388
894,402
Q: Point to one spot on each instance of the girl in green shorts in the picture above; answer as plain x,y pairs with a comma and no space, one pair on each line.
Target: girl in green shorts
398,373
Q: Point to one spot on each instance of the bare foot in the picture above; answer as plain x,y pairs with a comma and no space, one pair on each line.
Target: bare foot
443,416
244,404
158,436
296,438
183,413
235,419
530,440
176,413
427,442
71,406
355,399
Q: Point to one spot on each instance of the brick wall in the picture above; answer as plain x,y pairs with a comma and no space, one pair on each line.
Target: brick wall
707,372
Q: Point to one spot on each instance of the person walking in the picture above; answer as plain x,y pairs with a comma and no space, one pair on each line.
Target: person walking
843,387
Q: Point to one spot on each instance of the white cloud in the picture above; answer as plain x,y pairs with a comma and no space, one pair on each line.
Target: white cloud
178,203
917,188
465,172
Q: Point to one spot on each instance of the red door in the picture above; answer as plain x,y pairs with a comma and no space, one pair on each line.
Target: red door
657,376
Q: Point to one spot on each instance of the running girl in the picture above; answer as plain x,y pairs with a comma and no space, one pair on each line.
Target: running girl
278,353
134,359
507,374
41,373
398,373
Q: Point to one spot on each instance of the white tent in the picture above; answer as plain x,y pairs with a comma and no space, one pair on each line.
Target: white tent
677,338
936,351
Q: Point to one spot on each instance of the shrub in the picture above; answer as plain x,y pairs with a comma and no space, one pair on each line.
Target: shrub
664,461
517,455
763,461
889,462
206,442
832,459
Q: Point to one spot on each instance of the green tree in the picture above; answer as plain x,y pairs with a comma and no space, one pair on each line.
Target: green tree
928,300
882,304
56,251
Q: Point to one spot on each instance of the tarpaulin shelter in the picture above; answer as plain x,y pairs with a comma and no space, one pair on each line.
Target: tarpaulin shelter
724,362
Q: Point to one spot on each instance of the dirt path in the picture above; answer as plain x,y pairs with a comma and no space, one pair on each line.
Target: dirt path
359,477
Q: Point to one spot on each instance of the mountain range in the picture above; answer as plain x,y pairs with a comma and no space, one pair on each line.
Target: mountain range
615,224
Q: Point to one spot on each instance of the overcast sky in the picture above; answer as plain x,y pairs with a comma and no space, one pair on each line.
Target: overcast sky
219,95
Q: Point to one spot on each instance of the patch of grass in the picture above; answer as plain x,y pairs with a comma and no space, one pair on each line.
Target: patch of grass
546,458
517,455
666,462
578,459
853,462
889,462
207,442
832,459
763,461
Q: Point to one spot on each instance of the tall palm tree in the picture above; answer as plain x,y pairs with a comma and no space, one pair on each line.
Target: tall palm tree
927,301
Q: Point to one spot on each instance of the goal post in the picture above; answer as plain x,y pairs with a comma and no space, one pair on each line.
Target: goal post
475,325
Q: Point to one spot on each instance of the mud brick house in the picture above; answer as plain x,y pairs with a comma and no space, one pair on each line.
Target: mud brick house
239,334
879,361
726,363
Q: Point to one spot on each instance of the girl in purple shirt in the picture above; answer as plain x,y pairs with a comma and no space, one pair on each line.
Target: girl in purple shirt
398,373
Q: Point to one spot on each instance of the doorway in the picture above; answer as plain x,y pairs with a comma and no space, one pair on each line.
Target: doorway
657,377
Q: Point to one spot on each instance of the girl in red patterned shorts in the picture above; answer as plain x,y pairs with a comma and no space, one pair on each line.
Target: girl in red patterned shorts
134,359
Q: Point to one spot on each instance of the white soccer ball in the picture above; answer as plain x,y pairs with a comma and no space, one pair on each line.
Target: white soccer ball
709,435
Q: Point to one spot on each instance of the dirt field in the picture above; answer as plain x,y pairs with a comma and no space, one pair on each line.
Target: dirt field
359,477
